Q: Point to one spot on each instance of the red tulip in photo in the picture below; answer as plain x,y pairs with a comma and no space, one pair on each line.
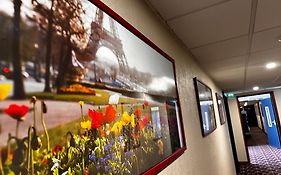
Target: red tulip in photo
56,149
145,103
138,113
97,118
143,122
110,114
17,112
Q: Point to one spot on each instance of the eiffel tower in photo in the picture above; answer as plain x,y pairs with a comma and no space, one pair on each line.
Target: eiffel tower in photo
101,37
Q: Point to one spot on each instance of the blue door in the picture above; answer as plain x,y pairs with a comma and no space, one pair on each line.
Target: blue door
271,128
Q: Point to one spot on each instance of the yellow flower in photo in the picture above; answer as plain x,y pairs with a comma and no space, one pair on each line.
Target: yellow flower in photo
86,124
81,103
97,142
126,118
160,147
133,120
117,127
4,91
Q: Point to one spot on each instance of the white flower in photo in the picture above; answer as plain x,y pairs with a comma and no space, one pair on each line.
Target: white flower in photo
56,164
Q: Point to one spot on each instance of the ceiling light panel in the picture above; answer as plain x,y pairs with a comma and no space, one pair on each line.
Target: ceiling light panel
271,65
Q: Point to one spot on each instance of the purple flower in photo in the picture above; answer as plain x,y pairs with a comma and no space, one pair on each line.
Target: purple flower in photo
92,157
112,142
129,153
102,160
108,156
113,156
148,126
120,138
107,147
108,169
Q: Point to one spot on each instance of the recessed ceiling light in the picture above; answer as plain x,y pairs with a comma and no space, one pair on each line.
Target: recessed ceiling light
270,65
279,40
255,88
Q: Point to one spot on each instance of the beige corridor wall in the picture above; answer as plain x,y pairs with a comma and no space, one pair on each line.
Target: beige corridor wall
237,130
204,156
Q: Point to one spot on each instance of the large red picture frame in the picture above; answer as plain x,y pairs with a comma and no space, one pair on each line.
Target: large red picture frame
161,165
83,91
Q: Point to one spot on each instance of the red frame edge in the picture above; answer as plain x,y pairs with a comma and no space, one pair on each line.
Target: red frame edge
167,161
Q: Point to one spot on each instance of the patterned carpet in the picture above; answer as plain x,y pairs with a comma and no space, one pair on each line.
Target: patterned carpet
265,160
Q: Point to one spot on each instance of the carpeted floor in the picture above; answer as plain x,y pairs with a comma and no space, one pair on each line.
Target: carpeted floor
257,137
265,159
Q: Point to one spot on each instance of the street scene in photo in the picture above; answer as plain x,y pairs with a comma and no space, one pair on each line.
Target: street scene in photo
81,94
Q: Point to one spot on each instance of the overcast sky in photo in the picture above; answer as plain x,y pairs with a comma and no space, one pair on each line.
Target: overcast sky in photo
138,54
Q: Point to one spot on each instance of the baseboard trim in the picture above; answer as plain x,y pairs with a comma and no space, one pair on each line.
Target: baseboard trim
243,162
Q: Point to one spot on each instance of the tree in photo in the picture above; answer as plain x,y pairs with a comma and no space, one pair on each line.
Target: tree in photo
70,25
61,22
19,92
6,33
44,20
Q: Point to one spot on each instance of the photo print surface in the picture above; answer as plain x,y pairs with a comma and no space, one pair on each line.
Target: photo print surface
221,108
205,107
82,94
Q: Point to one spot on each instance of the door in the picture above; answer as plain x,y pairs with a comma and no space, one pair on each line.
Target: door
270,121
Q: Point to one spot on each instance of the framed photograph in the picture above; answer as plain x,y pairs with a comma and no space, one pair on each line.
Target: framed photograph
83,92
205,106
221,108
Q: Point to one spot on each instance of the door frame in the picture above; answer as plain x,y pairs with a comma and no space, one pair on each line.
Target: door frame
231,134
274,104
244,137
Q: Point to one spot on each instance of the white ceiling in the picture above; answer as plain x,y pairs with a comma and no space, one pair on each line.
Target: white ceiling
231,39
